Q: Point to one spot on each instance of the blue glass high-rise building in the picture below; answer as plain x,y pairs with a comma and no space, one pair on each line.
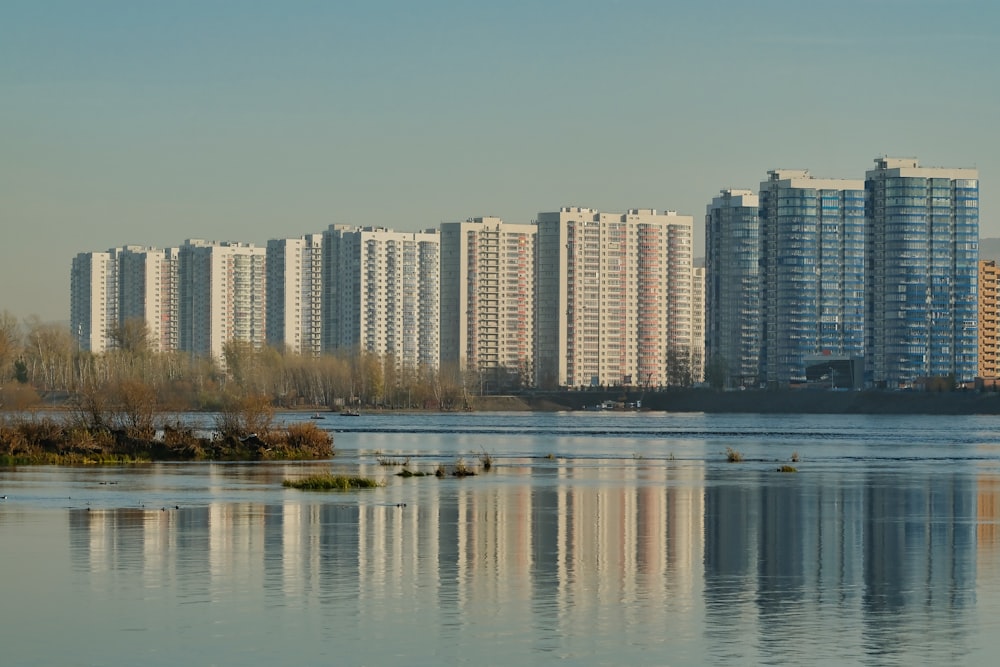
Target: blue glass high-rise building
921,269
812,272
732,288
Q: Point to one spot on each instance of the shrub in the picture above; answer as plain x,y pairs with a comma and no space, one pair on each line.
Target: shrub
331,482
486,459
461,469
788,469
242,416
307,439
733,456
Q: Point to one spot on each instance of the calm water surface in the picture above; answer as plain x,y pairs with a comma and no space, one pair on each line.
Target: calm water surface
596,539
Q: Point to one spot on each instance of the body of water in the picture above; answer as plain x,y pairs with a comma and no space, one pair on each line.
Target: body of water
595,539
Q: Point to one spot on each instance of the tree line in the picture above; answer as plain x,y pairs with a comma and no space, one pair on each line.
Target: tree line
41,362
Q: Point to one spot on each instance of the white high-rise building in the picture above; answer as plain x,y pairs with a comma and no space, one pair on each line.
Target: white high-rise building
698,323
613,298
93,309
222,288
487,297
295,294
148,292
382,293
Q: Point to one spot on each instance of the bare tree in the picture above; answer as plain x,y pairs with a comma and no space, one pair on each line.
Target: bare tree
132,336
10,345
48,353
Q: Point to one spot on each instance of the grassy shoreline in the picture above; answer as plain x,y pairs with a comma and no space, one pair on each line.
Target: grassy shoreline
49,441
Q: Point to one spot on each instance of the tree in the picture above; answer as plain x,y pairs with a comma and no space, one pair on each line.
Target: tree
245,415
48,354
10,345
679,367
132,336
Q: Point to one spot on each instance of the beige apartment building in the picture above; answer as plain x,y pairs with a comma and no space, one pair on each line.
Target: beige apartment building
148,292
698,323
221,287
93,303
295,294
613,298
381,293
128,283
487,298
988,340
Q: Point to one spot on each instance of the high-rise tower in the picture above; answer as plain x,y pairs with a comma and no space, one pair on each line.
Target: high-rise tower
294,294
221,287
922,251
613,298
732,288
382,293
811,271
487,298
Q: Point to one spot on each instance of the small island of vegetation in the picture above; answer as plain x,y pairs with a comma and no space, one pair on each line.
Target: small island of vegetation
331,482
119,425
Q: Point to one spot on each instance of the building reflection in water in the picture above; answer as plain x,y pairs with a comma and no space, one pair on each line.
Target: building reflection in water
652,554
799,554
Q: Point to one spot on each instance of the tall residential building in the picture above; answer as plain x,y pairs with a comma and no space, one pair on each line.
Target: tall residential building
812,263
382,293
93,306
221,289
148,292
732,287
613,298
487,298
295,294
698,323
988,339
922,250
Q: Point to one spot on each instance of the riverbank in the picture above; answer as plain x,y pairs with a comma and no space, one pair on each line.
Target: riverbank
809,401
761,402
65,442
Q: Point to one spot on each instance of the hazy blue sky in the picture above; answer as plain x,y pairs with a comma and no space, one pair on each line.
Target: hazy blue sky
151,122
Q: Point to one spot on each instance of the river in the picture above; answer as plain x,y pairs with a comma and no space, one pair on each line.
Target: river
594,539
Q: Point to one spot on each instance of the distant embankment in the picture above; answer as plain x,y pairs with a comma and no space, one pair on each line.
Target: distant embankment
773,402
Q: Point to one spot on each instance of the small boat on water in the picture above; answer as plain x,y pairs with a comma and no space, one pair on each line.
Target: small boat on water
317,416
350,413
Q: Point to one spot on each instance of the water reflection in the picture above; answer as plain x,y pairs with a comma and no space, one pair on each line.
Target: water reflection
635,561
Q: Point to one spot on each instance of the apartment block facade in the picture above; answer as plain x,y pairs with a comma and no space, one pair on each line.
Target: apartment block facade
487,299
732,287
922,252
221,288
382,293
613,298
93,301
812,272
295,294
698,323
988,338
148,292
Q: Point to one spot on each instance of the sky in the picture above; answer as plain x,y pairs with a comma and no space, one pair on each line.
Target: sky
148,123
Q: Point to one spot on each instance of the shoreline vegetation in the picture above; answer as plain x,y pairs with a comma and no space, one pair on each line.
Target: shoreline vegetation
113,406
245,430
127,425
